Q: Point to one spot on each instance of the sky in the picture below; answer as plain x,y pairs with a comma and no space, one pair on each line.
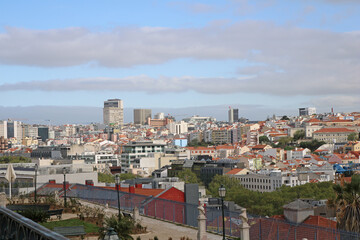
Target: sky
265,57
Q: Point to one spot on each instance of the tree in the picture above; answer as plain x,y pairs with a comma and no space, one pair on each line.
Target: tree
231,184
284,141
313,145
126,176
348,202
123,226
188,176
268,203
300,134
106,178
353,137
14,159
264,139
285,118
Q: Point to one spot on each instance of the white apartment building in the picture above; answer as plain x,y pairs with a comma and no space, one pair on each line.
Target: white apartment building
107,157
267,182
178,127
3,129
298,153
30,131
136,150
310,129
252,137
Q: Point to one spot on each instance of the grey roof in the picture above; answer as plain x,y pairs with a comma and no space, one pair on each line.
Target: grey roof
298,205
188,163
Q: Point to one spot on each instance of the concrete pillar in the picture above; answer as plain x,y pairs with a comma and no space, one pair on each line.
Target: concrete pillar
244,226
3,200
136,214
201,235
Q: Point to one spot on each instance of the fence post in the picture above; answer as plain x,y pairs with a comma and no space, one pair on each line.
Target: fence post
155,209
260,229
244,226
3,200
173,212
230,222
201,234
164,212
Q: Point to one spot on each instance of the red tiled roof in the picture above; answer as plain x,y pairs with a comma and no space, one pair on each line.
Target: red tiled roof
140,191
328,130
200,148
234,171
320,222
314,120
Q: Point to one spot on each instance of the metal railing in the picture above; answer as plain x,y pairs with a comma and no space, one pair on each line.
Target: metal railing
14,226
183,213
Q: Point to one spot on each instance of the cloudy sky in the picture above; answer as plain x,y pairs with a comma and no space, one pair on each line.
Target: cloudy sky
266,57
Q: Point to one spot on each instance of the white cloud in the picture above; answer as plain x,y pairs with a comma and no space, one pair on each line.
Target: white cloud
294,61
339,101
268,83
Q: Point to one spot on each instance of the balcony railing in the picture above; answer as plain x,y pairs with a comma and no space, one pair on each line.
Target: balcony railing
15,226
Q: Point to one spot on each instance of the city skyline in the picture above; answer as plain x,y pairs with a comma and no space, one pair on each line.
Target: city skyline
268,56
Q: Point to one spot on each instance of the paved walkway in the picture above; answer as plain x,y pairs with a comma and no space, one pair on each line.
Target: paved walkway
163,230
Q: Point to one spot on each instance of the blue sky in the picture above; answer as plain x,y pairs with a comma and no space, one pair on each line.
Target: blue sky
175,54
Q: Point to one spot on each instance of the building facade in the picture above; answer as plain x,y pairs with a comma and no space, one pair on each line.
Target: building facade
233,115
113,112
332,135
141,116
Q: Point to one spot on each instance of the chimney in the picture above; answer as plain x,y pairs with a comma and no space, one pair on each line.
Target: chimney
297,211
131,189
52,181
89,182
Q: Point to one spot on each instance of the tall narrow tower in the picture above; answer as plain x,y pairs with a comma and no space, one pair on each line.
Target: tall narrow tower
113,112
233,115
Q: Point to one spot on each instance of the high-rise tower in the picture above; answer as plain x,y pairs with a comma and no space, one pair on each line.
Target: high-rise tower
113,112
233,115
141,116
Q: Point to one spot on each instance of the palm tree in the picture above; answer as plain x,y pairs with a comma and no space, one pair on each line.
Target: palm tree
123,226
347,202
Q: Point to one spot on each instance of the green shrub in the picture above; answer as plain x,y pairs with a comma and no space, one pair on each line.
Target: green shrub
35,215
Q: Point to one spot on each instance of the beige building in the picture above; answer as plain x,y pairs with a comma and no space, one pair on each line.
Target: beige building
310,129
113,112
141,116
332,135
352,146
221,136
28,141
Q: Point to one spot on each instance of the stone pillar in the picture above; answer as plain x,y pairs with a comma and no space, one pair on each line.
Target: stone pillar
136,214
201,235
3,200
244,226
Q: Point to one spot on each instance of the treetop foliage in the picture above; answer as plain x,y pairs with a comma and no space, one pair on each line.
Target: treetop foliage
268,203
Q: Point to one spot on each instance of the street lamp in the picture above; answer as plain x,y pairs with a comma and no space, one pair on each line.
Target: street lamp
36,169
222,193
64,172
111,235
117,183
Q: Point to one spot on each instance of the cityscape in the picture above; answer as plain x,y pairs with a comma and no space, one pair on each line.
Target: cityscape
183,120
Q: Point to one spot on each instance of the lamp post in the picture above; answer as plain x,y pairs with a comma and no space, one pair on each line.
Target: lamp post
222,193
117,182
64,172
36,169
